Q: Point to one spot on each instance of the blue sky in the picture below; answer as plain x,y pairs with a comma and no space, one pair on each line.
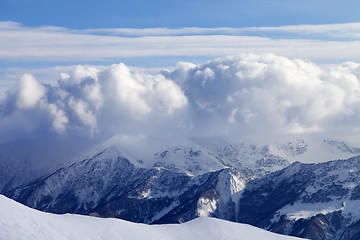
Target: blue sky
57,74
38,34
82,14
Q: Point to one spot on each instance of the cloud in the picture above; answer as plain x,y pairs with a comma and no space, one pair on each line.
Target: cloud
82,111
253,94
59,119
53,44
240,95
248,95
89,101
129,90
29,92
168,94
332,31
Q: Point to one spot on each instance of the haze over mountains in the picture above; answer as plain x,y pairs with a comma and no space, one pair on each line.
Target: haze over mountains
258,97
246,139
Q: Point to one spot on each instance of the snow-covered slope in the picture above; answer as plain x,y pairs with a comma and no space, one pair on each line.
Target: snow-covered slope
18,222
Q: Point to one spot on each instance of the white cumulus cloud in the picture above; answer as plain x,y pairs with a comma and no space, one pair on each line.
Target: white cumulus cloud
272,93
29,92
91,101
82,111
233,96
60,120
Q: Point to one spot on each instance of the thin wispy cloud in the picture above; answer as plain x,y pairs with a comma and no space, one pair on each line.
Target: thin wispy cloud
349,31
19,43
331,31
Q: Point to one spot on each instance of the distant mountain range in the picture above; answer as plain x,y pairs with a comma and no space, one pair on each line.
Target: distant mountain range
259,184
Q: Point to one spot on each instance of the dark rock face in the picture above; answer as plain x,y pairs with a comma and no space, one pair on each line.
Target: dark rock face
294,148
317,228
270,202
352,232
259,205
158,196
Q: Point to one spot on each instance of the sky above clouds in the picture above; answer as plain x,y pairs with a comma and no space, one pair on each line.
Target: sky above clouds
92,69
83,14
40,34
49,50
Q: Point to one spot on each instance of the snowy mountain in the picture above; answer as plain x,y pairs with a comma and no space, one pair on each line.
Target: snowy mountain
196,156
193,156
18,222
317,201
109,185
260,184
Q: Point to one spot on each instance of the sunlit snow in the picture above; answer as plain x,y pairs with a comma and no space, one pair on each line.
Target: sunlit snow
19,222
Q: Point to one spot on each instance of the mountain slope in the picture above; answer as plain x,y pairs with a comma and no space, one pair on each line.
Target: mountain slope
19,222
317,201
234,182
193,156
109,185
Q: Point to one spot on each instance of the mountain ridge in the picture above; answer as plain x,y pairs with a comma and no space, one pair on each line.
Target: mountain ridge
240,183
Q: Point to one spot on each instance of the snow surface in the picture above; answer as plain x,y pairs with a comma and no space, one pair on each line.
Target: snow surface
301,210
350,210
20,222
